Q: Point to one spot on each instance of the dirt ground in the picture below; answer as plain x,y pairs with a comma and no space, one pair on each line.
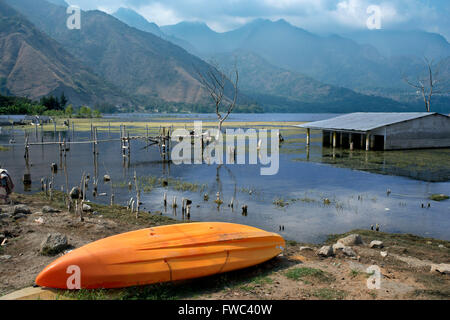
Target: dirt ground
298,274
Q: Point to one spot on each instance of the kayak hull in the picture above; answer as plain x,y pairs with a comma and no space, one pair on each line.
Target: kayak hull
162,254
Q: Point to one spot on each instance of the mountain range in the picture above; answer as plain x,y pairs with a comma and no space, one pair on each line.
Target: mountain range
282,67
33,65
143,65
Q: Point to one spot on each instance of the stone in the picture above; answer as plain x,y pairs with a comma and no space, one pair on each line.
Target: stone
53,244
20,216
349,252
338,246
441,246
306,249
106,178
21,209
5,257
87,208
325,251
376,244
384,254
442,268
48,209
351,240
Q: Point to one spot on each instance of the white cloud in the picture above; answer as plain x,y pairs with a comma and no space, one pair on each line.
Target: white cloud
314,15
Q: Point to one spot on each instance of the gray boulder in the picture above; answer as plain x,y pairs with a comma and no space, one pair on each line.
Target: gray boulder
349,252
351,240
48,209
21,209
325,251
19,216
442,268
53,244
376,244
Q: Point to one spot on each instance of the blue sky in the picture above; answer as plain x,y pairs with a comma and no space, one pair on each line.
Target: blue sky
321,16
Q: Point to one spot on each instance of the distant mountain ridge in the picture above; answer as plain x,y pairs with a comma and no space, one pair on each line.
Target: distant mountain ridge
366,61
286,91
144,61
143,65
135,20
33,65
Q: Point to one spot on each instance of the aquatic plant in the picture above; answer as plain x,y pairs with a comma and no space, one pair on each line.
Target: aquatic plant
439,197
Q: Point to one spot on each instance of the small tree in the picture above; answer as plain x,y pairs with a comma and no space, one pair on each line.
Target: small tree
215,81
429,83
63,101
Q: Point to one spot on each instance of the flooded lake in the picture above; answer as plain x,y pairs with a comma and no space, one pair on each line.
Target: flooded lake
317,191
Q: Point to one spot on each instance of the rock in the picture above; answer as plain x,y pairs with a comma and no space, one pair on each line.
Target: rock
54,244
325,251
75,193
87,208
106,178
442,268
39,221
376,244
48,209
306,249
338,246
349,252
21,209
384,254
351,240
5,257
20,216
441,246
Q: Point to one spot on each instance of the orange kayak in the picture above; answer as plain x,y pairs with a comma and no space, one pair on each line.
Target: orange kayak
161,254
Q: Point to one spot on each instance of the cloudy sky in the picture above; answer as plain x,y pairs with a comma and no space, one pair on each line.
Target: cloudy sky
322,16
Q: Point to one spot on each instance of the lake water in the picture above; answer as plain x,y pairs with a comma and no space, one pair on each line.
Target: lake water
314,194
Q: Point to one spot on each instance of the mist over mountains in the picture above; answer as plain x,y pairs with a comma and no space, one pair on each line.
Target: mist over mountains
282,67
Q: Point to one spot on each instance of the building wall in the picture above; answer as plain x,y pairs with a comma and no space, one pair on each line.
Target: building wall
428,132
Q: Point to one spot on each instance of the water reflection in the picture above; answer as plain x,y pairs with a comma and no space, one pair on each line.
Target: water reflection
349,181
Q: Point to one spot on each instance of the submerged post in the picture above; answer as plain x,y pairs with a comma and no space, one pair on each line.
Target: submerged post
334,139
367,142
308,136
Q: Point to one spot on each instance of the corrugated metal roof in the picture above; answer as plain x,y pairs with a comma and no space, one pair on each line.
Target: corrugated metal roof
362,121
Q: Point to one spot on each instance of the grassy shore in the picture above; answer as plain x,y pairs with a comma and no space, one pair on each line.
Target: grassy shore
297,274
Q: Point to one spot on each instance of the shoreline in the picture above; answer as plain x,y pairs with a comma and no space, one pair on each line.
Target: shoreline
298,274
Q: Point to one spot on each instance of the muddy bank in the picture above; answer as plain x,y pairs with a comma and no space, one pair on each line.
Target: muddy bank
405,261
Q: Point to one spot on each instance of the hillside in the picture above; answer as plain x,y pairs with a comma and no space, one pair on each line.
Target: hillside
286,91
140,63
135,20
371,62
33,65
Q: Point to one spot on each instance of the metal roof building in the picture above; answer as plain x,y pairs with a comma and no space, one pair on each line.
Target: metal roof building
384,131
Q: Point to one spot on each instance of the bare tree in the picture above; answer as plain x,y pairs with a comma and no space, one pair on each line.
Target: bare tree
428,84
216,81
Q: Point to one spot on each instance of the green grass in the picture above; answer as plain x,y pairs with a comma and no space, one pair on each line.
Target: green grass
101,294
147,184
3,148
256,281
329,294
439,197
280,203
309,274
